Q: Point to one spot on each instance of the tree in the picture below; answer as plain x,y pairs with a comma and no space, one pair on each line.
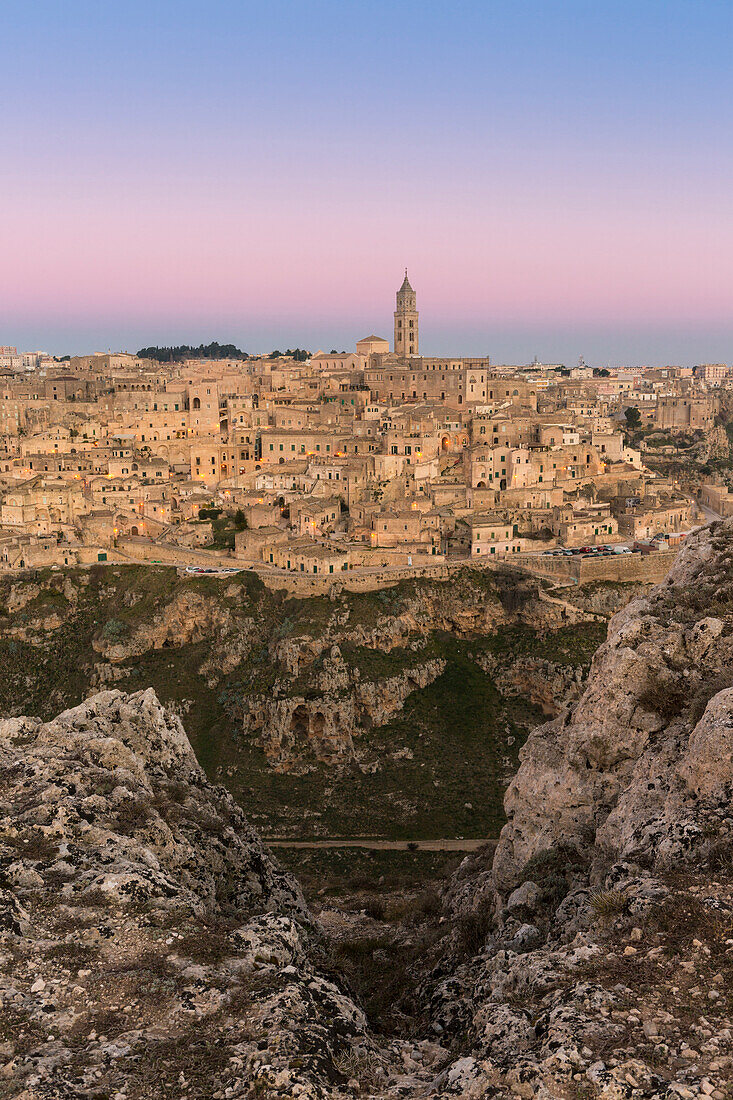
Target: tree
186,351
633,418
240,520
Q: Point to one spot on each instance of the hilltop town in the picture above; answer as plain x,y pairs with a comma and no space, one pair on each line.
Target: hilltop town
373,463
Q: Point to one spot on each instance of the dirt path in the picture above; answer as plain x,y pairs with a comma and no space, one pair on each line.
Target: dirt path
446,845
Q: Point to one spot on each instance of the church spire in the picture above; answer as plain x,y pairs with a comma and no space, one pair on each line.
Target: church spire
406,340
406,283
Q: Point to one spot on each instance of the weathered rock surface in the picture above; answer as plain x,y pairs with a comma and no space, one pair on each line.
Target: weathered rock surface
149,945
593,955
297,732
629,773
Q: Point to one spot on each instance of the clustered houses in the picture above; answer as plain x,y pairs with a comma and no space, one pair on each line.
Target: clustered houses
340,460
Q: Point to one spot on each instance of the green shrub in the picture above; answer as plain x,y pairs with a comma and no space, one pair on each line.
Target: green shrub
113,628
429,903
665,698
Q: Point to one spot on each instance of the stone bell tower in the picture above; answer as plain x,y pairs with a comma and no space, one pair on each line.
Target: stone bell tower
405,321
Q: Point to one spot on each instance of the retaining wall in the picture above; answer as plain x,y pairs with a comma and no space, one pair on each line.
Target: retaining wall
649,568
646,568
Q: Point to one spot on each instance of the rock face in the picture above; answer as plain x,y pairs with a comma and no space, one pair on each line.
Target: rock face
297,732
149,945
547,684
593,956
189,617
642,764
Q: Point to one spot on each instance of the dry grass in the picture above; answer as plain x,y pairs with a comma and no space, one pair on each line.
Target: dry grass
32,845
473,928
609,904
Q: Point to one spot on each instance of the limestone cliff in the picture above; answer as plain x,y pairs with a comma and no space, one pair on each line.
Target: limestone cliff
297,732
350,694
149,945
593,956
641,767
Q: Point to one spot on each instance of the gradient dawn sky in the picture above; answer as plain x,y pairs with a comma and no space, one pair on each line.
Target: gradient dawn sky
557,175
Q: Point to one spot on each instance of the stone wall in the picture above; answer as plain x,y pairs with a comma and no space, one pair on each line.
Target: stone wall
143,550
301,584
627,567
651,568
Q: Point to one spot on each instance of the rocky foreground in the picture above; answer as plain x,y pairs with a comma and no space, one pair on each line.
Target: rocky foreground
606,967
150,946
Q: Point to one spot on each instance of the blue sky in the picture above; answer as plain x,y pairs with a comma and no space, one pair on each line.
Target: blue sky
557,175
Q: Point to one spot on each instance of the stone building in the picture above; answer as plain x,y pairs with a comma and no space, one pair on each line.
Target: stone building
304,556
406,335
685,412
493,535
717,497
580,523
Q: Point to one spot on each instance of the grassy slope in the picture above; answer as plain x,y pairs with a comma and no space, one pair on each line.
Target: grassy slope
462,737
